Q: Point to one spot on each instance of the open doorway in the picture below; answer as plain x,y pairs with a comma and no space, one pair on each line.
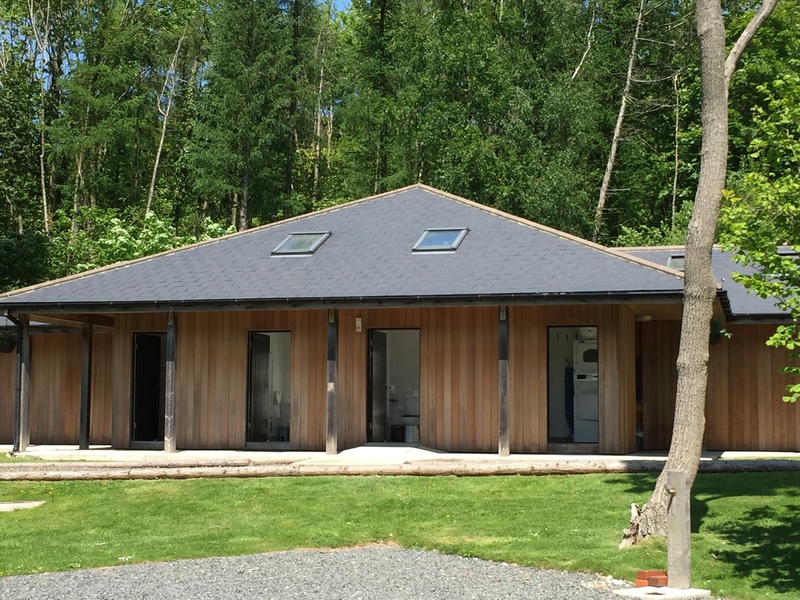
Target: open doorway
393,386
149,378
572,385
268,391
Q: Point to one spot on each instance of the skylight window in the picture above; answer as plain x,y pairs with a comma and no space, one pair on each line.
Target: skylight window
302,244
676,261
444,239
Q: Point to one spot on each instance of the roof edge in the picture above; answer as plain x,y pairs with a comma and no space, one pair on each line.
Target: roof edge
244,304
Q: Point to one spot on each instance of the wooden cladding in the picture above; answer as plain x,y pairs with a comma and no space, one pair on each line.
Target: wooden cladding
659,349
55,390
744,410
8,375
528,373
459,376
211,374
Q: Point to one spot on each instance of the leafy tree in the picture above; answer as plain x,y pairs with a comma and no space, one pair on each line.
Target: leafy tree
18,138
766,217
25,259
243,122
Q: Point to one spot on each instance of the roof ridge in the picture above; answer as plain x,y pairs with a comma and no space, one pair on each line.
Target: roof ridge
552,231
659,248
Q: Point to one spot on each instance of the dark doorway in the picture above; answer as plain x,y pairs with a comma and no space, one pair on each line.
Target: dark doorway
269,391
149,375
376,405
393,413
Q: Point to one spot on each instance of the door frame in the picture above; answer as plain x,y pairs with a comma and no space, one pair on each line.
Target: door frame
268,445
572,447
157,443
368,407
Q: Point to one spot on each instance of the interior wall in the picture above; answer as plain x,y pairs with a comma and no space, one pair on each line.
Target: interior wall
559,351
403,347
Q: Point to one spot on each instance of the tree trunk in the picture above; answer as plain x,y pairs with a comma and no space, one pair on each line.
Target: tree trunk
588,46
676,161
700,287
164,113
243,205
612,155
319,54
41,34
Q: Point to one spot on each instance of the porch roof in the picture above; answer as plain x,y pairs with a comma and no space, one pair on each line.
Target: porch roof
367,259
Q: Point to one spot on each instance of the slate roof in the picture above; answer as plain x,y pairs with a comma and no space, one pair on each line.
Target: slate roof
743,304
367,259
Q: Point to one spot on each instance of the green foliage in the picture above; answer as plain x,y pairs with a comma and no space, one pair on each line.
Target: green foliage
284,106
24,260
663,235
762,225
103,238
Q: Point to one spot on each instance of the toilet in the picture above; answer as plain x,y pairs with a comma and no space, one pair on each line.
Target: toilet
410,418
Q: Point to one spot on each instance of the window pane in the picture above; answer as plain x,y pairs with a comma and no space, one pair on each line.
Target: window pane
440,239
301,243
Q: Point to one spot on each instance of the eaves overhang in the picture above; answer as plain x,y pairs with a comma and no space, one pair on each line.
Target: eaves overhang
345,302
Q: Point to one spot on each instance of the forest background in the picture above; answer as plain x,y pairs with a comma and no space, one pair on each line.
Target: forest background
129,127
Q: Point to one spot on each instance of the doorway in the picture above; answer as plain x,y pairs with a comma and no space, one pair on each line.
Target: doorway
268,389
572,385
393,413
149,378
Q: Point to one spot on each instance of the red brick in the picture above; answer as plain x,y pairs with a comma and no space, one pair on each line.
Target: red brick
649,573
657,580
641,583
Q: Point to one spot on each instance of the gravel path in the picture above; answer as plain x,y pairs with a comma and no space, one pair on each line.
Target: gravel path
379,572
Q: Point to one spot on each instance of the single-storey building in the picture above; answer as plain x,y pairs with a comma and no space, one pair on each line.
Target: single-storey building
411,317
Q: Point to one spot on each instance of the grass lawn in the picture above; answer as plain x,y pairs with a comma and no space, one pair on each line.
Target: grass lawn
746,541
4,458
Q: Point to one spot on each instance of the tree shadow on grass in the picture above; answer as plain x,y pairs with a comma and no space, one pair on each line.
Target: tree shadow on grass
767,548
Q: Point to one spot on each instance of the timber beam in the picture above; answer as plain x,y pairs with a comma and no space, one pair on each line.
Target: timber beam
86,385
101,322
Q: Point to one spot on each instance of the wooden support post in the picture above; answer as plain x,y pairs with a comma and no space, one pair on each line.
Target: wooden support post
86,385
169,392
331,439
503,441
24,386
679,557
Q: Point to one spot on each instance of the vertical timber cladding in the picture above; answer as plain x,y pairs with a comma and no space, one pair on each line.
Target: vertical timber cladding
211,376
744,410
125,325
528,373
660,341
458,374
56,388
8,374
